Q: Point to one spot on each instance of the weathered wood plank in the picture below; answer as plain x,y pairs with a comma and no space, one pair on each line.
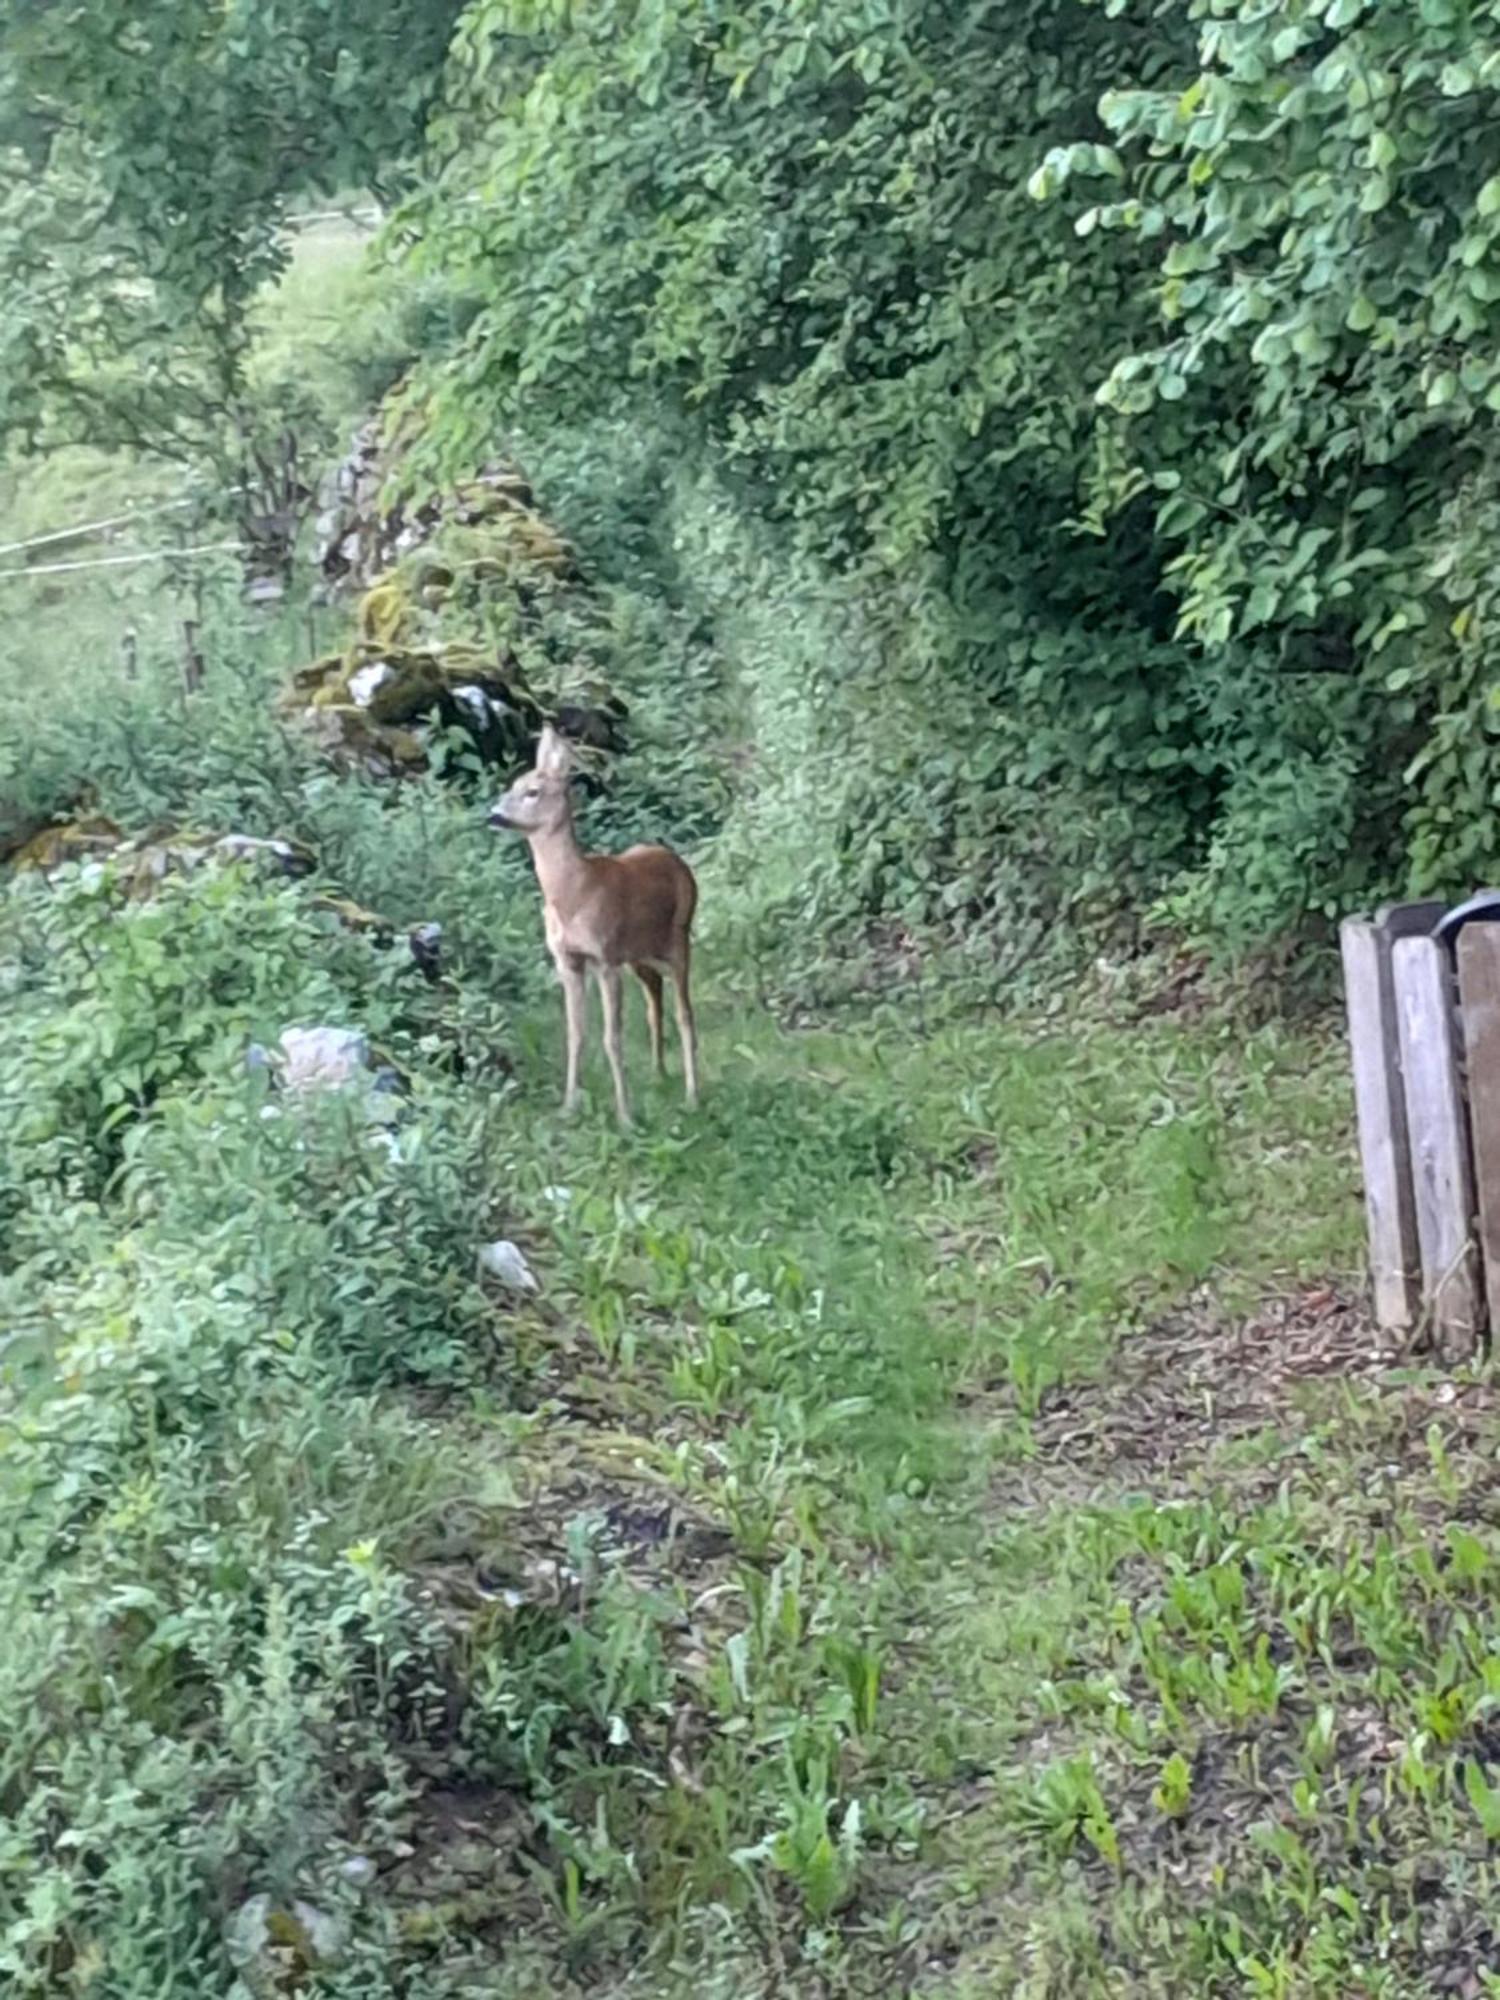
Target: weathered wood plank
1410,919
1479,991
1437,1129
1380,1113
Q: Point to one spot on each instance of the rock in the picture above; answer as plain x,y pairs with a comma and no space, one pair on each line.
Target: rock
502,1260
441,582
597,726
366,682
358,537
140,863
348,738
320,1058
274,1947
355,917
406,688
308,1061
426,945
423,941
288,857
374,710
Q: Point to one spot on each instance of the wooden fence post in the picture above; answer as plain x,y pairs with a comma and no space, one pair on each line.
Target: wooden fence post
1437,1128
192,657
1380,1111
1479,994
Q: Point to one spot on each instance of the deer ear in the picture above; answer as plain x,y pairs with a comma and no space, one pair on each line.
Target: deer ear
554,754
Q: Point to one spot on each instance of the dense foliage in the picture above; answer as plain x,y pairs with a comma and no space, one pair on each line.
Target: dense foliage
1142,535
1316,416
1152,579
806,234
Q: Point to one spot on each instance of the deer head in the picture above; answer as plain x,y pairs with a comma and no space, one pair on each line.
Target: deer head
538,802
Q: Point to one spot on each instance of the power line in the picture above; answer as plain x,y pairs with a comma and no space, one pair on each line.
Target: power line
114,562
333,215
98,527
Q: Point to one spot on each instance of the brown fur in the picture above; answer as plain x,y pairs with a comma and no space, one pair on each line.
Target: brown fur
604,912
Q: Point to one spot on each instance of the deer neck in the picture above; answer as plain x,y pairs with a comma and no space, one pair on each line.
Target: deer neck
560,863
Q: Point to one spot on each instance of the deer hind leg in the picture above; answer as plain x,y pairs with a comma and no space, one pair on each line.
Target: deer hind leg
609,990
650,980
687,1027
575,1001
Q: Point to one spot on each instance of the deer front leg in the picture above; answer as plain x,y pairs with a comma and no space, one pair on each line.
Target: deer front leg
575,1000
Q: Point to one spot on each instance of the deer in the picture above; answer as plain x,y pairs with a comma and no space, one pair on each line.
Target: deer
603,912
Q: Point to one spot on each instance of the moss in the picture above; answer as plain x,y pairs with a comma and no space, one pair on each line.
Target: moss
73,840
354,917
414,684
318,673
349,736
384,613
439,627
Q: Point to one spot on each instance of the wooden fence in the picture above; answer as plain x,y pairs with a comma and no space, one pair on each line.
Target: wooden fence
1422,987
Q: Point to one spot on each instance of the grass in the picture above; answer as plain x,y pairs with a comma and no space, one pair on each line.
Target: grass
1210,1718
831,1311
944,1526
326,322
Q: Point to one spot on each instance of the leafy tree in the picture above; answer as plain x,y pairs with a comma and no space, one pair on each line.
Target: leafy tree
148,164
1314,411
1180,515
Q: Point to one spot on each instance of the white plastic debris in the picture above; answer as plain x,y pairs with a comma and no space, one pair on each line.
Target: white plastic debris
248,847
501,1259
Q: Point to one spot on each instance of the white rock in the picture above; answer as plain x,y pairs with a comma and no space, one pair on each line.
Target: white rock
476,701
501,1259
366,684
